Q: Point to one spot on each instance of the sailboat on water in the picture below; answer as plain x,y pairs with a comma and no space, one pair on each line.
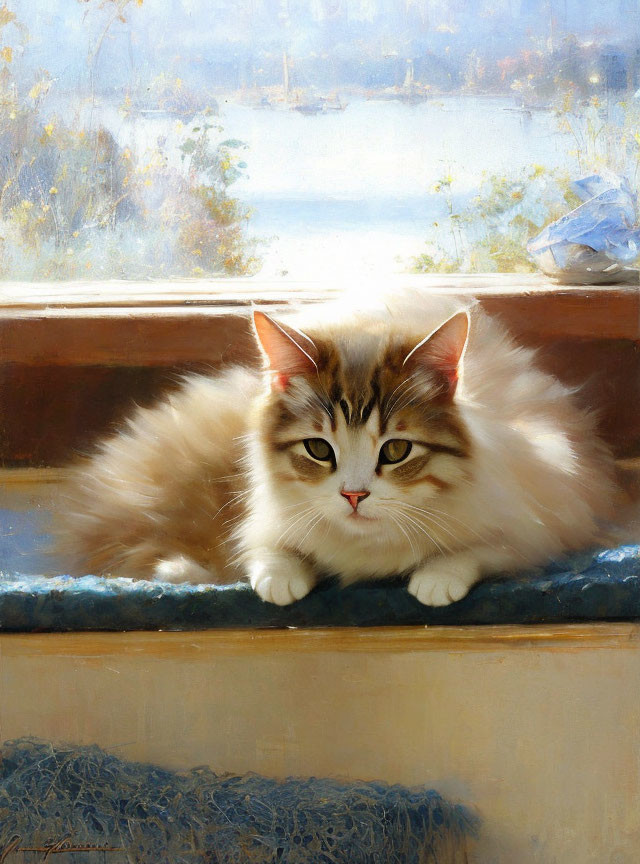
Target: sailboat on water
295,99
411,91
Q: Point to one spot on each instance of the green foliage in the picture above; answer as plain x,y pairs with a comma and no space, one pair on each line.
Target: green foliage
75,204
490,233
212,221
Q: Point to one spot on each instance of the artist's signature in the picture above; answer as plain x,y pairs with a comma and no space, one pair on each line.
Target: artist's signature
52,847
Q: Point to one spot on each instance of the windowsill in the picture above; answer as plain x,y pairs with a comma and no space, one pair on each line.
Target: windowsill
105,293
223,290
593,587
604,586
146,323
77,327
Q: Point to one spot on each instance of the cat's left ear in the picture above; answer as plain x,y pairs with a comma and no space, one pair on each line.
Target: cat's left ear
443,350
288,351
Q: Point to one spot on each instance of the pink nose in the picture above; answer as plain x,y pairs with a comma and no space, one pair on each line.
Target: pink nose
354,498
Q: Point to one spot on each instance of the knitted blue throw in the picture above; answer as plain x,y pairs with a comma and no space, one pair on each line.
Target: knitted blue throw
594,585
88,807
603,585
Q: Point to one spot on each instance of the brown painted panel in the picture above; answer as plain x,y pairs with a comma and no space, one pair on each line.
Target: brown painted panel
537,728
584,313
51,412
125,338
68,374
607,375
167,335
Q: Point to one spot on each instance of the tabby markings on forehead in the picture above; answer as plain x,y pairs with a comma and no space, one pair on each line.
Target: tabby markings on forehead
346,410
368,408
312,409
360,415
413,390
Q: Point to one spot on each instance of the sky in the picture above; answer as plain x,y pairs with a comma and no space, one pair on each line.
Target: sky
349,187
241,41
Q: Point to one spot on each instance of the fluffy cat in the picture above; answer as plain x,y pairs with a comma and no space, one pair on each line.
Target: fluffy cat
409,438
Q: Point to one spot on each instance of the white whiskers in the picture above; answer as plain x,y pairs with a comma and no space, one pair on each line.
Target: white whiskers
398,523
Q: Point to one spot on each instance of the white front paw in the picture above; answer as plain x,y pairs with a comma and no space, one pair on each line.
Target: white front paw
444,580
280,578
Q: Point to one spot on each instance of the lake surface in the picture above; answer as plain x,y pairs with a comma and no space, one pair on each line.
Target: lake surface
353,191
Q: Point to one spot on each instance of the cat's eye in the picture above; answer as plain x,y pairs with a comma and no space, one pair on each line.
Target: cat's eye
319,449
394,451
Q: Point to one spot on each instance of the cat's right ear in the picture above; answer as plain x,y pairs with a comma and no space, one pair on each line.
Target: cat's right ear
443,349
288,351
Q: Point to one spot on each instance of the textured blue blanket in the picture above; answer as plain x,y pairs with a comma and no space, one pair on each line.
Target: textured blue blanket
598,585
70,798
603,585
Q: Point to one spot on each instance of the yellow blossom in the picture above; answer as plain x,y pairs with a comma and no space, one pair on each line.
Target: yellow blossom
53,190
6,16
39,88
49,129
27,205
7,54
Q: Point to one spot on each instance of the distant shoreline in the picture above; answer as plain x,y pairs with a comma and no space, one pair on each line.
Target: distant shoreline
253,96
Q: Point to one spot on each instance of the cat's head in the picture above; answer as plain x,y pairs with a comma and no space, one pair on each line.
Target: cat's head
361,426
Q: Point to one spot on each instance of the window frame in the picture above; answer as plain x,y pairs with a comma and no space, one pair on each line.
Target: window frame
157,323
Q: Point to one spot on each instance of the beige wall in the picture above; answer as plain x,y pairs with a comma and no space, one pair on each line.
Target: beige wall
537,727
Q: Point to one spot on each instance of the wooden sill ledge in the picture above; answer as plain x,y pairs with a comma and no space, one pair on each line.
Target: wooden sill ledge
75,356
209,644
161,324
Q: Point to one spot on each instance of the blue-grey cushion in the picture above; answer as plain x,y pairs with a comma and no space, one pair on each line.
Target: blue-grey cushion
83,796
600,585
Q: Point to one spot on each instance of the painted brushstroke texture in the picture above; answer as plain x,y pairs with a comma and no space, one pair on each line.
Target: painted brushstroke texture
192,138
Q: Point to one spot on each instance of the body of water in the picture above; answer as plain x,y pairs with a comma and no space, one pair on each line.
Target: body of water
352,191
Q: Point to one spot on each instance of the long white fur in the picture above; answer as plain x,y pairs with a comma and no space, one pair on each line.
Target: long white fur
538,482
